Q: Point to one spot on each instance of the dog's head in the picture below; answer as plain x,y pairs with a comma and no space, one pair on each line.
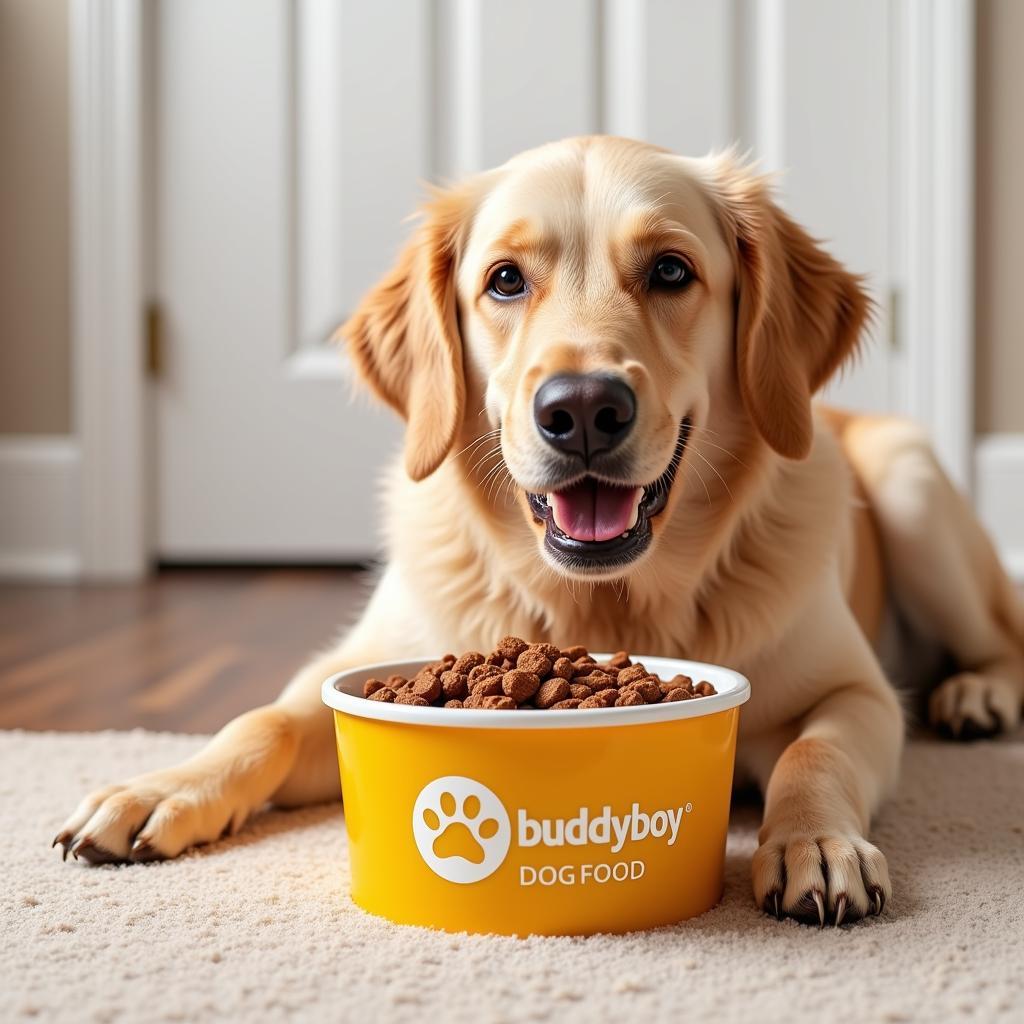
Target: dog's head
602,306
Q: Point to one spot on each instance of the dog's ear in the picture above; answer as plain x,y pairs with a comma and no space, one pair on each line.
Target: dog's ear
404,337
799,312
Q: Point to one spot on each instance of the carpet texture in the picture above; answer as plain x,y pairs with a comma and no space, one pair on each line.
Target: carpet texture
259,928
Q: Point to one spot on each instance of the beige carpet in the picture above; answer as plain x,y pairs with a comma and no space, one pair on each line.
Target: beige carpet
259,928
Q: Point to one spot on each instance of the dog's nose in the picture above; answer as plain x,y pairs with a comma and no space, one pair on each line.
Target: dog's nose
583,414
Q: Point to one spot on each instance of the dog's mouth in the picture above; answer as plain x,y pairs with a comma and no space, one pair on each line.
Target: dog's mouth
597,525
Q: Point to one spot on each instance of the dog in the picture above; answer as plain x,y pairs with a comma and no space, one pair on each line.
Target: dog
605,355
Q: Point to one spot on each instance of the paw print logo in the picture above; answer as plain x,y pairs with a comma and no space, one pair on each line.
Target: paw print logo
461,829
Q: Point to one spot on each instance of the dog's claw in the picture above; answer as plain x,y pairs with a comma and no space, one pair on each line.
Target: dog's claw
879,902
775,898
142,852
92,852
66,839
840,910
820,904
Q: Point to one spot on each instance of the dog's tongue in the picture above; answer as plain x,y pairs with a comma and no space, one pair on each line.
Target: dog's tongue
594,511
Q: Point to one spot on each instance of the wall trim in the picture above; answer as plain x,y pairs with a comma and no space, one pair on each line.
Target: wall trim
999,495
107,284
39,484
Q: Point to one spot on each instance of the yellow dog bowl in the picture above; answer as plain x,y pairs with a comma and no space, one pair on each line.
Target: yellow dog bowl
537,822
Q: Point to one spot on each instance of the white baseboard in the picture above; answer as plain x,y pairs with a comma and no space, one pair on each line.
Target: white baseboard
999,495
39,507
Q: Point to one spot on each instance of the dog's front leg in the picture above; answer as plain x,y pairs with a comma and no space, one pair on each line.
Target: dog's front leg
282,753
814,861
824,772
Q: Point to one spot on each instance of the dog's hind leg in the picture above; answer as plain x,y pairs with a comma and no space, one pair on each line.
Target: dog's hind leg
945,576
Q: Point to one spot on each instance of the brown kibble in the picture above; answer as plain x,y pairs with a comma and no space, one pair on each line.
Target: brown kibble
499,702
677,694
551,692
563,668
490,686
648,689
520,685
408,697
468,661
479,672
454,685
534,661
510,647
427,686
550,651
597,680
533,676
632,674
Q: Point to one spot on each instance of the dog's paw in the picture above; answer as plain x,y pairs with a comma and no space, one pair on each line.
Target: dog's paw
819,879
972,706
151,817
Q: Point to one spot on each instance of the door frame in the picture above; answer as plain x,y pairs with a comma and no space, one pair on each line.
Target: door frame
112,236
109,260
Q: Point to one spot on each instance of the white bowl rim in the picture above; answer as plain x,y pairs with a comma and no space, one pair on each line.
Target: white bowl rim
338,692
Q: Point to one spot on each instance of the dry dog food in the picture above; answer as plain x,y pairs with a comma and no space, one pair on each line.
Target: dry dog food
518,675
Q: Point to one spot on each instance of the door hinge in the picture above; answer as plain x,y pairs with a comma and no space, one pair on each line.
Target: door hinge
895,319
154,341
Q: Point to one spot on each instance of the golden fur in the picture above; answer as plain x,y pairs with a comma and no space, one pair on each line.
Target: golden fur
784,530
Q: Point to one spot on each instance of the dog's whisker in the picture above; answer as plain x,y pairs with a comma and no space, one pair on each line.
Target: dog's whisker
485,458
492,476
703,483
697,452
478,441
713,444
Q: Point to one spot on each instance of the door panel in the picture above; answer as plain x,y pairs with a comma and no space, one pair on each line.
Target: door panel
260,456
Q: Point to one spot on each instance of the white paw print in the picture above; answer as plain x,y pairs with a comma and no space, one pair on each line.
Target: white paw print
461,828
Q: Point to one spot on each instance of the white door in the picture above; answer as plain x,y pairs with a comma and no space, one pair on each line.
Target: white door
289,143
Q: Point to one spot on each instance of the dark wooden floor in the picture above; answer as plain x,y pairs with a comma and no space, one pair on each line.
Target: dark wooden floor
185,651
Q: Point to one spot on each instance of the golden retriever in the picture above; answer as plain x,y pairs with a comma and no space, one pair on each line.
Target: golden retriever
605,355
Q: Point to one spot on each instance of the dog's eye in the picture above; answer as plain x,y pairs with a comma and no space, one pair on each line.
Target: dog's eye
506,282
670,272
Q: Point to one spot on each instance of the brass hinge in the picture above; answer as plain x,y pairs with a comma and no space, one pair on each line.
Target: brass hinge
895,319
154,341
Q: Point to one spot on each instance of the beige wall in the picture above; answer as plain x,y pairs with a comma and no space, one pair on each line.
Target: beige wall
999,236
34,213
